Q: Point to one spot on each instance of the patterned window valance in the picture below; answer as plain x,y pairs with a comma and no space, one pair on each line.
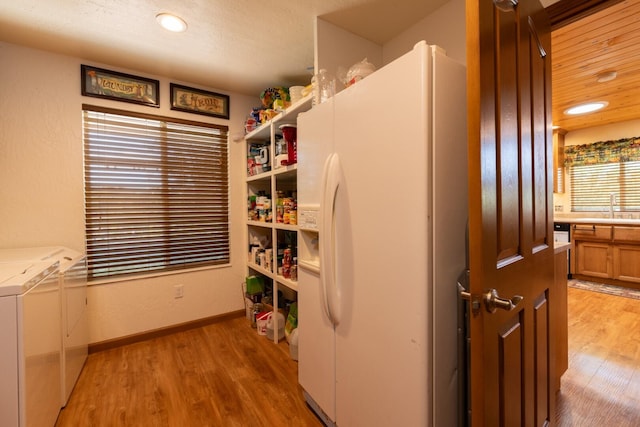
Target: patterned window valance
622,150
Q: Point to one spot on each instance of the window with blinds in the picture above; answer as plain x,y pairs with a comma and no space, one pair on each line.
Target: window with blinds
156,193
593,184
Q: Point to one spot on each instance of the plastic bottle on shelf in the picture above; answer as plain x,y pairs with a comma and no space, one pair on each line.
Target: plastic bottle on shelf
324,87
286,263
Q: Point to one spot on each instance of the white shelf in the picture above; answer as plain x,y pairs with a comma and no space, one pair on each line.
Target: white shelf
260,224
291,284
276,225
259,269
260,176
284,170
288,116
282,178
288,283
283,226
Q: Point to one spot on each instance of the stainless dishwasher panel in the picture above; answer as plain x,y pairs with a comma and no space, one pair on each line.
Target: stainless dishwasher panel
562,233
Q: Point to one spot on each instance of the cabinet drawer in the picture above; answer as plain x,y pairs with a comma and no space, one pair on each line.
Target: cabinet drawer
591,232
626,234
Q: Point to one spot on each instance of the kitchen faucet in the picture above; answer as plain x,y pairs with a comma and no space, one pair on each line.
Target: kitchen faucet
612,202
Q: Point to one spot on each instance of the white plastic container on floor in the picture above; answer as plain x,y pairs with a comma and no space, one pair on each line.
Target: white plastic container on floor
293,344
270,321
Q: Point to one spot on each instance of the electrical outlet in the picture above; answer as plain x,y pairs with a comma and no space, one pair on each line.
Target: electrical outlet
178,291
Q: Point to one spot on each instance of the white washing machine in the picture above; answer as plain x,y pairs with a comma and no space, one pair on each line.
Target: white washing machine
30,337
73,304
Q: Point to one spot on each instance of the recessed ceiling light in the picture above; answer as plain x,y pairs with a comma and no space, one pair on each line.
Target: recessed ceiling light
589,107
171,22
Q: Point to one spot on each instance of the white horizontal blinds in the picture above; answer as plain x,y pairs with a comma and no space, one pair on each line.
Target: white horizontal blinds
628,197
156,193
591,186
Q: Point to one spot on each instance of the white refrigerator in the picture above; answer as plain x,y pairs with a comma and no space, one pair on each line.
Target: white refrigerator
382,199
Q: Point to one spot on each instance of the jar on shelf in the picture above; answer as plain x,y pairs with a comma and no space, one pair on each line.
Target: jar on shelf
324,87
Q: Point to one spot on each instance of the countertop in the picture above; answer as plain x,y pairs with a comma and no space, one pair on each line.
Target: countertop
612,221
561,247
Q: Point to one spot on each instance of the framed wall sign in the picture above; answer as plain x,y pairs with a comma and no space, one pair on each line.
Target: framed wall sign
101,83
199,101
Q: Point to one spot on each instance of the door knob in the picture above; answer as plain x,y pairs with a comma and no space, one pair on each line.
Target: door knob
492,301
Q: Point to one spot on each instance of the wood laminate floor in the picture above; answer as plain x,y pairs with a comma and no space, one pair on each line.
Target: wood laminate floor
602,385
226,375
223,374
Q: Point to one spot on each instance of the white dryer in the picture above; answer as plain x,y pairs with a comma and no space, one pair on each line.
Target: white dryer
30,336
73,305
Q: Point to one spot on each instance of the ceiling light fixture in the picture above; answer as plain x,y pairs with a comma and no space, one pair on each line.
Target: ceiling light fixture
606,76
171,22
588,107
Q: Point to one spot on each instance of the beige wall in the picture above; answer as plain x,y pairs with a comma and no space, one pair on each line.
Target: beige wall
444,27
337,49
42,200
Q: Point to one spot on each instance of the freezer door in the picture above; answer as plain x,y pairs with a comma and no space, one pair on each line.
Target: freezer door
315,144
316,337
316,346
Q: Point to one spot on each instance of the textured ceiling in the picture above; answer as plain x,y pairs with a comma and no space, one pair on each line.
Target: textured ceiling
245,46
241,46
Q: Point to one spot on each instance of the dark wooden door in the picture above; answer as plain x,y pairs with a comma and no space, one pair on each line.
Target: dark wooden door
511,213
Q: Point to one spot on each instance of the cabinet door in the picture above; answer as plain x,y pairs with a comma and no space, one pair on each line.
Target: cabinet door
626,263
594,259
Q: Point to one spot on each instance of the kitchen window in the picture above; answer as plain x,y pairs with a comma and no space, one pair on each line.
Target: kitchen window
592,187
156,193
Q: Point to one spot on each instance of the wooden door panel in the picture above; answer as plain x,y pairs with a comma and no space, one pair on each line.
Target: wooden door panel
507,137
511,212
542,344
540,123
510,344
511,361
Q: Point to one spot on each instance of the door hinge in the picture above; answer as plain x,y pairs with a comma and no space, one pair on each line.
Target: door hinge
506,5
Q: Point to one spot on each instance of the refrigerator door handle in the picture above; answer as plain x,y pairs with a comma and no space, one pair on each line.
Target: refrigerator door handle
330,184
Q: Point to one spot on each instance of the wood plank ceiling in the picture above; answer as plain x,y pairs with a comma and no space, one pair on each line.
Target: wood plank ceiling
607,41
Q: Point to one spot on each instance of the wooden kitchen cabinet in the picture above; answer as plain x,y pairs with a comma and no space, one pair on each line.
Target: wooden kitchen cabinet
592,232
626,234
626,263
594,259
593,250
558,160
626,253
607,253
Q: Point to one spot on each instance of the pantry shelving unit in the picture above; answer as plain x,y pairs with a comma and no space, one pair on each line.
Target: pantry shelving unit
262,226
